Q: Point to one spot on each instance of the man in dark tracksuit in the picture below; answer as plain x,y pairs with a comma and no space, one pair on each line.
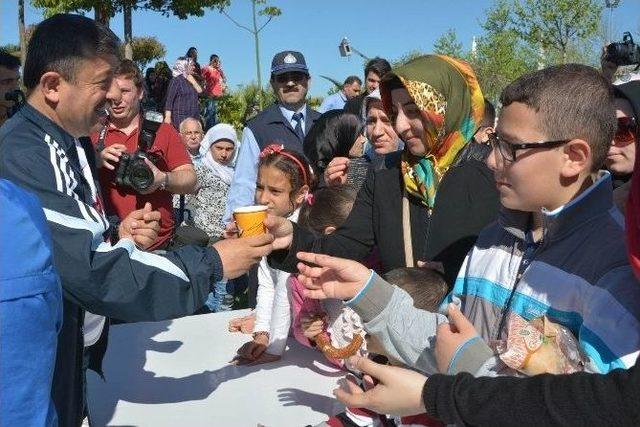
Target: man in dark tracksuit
69,75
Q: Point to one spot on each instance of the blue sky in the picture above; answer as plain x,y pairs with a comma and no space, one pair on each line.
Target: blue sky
375,27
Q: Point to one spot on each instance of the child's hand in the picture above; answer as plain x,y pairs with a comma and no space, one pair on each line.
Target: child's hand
450,336
337,278
254,349
243,324
312,326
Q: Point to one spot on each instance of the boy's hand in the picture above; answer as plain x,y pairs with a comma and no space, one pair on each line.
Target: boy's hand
337,278
281,229
312,326
398,392
450,336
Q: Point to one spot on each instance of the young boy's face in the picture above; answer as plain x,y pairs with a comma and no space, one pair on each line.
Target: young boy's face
533,180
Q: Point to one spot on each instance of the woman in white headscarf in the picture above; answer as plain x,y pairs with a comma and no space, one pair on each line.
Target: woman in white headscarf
214,179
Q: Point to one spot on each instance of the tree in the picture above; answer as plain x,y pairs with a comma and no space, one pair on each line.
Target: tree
448,44
269,12
145,50
557,26
11,48
409,56
106,9
500,55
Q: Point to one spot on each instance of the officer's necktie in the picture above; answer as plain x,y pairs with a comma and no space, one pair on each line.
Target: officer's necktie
297,117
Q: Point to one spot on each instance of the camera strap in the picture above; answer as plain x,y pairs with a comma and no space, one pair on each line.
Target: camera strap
101,138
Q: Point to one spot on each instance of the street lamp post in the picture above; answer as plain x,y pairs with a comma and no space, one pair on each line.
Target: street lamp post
611,4
346,49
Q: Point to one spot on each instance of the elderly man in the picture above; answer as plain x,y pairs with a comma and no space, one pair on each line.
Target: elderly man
191,135
285,122
350,89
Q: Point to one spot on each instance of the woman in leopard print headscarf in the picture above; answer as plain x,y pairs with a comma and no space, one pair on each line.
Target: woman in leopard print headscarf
443,95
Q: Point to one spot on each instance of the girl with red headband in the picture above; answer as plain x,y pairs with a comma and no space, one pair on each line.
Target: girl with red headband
284,184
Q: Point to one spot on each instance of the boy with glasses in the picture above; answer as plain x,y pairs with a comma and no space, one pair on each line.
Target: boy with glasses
557,249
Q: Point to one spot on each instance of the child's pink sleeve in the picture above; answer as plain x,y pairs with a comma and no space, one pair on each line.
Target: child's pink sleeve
301,307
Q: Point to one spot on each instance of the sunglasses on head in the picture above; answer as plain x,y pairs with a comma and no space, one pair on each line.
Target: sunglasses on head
292,76
626,131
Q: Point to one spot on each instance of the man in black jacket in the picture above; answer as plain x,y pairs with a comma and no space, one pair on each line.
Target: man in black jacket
69,75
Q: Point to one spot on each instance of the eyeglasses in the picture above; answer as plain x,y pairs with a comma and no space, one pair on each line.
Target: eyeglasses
626,131
508,150
291,76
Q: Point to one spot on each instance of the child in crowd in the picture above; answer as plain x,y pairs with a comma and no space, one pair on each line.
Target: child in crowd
329,210
284,183
558,248
426,288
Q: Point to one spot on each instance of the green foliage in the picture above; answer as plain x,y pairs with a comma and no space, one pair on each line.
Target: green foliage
238,106
448,44
411,55
146,50
11,48
180,8
500,56
557,26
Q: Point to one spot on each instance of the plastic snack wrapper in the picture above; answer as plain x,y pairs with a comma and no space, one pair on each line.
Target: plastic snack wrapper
539,346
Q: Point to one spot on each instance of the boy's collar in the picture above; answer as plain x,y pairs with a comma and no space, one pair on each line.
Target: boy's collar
593,201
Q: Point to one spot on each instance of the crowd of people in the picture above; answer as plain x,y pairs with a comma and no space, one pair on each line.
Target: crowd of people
415,232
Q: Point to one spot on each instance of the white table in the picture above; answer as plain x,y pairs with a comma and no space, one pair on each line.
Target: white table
176,373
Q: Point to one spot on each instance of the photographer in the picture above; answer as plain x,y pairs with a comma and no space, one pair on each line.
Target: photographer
9,78
620,54
169,172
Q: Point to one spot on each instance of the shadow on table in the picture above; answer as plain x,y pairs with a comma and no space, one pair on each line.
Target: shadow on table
130,382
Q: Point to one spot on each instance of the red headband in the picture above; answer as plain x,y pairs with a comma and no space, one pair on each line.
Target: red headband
279,149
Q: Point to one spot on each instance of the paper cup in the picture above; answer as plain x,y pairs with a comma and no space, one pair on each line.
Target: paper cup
250,220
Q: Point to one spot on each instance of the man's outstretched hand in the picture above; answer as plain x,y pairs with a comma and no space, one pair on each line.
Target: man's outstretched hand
331,277
239,255
281,229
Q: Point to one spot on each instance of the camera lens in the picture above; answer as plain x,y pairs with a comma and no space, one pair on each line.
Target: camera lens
140,176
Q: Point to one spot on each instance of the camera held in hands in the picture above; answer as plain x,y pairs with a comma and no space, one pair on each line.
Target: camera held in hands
625,52
132,170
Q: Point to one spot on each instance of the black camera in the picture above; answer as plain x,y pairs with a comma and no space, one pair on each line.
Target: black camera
132,170
18,98
625,52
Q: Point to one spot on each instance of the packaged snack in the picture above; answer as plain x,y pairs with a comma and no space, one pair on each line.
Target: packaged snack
539,346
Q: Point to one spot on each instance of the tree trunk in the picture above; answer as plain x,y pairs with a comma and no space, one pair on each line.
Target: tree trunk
257,46
102,12
128,50
21,30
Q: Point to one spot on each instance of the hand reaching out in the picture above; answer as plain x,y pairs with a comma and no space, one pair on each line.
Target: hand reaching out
333,277
398,391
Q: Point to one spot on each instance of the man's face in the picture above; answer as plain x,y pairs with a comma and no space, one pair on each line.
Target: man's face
191,135
128,107
352,90
81,103
9,80
532,181
222,151
622,152
291,87
372,81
